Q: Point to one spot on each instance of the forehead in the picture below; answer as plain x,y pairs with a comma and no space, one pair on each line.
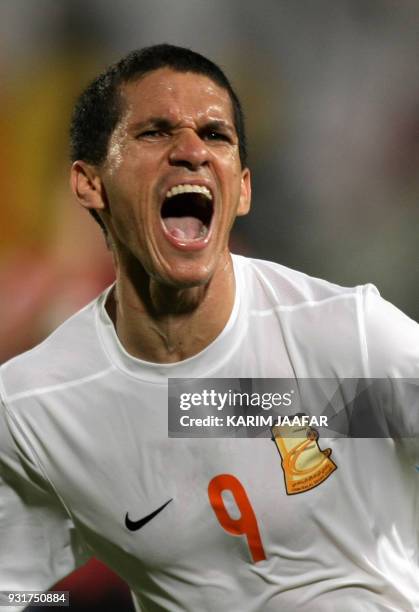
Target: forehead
176,95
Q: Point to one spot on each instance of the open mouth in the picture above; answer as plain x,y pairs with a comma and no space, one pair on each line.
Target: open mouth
187,212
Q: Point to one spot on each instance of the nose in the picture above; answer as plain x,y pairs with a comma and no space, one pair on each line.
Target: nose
188,150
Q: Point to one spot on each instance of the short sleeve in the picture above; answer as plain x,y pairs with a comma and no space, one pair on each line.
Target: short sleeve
38,542
391,338
392,346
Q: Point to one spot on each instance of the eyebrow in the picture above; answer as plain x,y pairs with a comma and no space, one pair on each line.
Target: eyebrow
158,122
219,124
163,123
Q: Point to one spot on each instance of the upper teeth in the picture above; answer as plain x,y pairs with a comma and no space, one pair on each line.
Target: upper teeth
177,189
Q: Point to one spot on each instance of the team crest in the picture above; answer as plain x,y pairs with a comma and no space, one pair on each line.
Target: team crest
304,463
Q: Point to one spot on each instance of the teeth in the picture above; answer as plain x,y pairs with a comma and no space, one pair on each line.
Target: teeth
177,189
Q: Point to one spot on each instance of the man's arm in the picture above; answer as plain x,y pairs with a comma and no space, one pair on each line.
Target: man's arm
38,541
392,349
391,338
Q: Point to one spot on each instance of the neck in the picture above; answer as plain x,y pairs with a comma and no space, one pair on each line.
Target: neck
165,324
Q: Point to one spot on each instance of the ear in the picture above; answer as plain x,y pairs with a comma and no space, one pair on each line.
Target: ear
87,186
245,193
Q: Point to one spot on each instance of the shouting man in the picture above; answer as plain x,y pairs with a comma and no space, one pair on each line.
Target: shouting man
86,464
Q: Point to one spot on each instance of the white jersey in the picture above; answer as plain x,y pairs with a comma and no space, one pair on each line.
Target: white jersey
85,456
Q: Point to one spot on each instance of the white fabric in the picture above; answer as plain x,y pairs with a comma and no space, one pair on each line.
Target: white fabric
84,440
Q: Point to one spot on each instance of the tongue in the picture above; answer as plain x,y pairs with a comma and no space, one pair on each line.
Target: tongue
188,228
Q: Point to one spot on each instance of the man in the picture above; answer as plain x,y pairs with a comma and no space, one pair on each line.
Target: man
159,159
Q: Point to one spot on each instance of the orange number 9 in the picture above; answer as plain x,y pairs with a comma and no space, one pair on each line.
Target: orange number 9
247,523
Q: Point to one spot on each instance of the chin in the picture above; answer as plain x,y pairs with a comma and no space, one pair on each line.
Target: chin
187,277
187,282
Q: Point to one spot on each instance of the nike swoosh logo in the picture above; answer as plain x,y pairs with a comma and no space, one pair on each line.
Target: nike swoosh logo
135,525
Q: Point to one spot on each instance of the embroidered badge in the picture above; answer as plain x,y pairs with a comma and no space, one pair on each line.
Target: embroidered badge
304,463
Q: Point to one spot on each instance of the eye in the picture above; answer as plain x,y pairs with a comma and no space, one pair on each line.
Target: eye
152,134
216,135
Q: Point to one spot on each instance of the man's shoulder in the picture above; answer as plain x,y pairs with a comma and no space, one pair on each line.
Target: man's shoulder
288,288
73,351
351,325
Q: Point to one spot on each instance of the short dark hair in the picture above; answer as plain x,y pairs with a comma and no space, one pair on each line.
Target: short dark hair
98,109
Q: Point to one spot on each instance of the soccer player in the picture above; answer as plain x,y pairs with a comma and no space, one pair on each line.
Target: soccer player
87,467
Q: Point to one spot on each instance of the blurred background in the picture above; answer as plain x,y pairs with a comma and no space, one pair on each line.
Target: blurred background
331,93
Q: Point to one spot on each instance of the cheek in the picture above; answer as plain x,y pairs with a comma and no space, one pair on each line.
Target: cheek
229,163
231,156
124,187
234,159
232,182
